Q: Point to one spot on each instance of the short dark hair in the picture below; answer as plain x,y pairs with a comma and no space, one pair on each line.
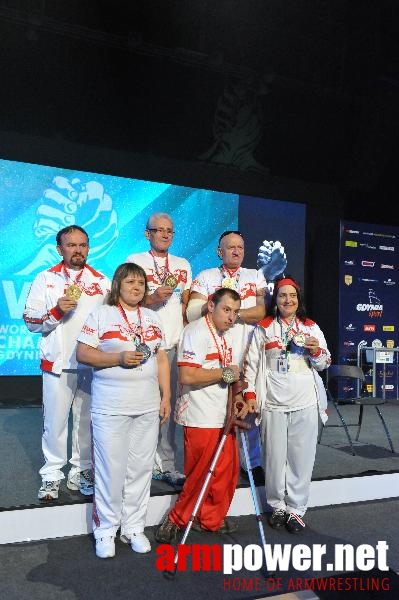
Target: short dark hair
67,230
123,271
221,292
228,233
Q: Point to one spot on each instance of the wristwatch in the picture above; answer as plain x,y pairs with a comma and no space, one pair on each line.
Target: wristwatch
228,375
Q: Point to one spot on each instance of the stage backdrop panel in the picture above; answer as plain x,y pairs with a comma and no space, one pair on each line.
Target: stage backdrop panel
369,299
38,200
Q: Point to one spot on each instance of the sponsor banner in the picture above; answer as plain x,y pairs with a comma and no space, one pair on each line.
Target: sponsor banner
368,301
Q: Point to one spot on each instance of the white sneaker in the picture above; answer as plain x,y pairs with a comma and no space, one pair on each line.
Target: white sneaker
74,481
105,547
140,543
49,491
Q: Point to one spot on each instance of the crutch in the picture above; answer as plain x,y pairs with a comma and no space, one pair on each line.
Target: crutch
231,422
255,499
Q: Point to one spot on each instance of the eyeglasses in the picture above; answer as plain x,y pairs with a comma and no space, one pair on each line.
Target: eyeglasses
161,230
228,233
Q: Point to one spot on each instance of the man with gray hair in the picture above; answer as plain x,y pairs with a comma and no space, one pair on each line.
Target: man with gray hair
169,280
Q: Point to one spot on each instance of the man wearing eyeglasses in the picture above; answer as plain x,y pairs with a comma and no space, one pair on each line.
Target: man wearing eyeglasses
58,303
251,285
169,279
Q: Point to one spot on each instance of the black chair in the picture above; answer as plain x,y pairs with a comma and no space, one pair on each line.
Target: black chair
354,377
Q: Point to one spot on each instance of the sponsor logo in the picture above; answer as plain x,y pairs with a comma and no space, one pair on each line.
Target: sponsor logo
389,387
369,246
349,263
383,266
389,282
368,263
348,279
390,343
351,231
376,343
390,248
367,280
350,327
349,343
388,328
350,244
369,328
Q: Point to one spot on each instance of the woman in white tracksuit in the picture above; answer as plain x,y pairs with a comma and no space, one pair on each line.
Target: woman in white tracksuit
284,387
124,342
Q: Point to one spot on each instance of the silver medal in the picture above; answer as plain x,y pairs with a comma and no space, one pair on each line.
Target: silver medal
145,350
299,339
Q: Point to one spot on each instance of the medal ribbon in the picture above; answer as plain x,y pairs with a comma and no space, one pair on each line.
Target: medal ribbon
137,332
285,335
69,278
232,274
222,352
157,270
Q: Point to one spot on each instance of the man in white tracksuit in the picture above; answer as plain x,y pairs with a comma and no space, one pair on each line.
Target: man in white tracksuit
59,300
169,281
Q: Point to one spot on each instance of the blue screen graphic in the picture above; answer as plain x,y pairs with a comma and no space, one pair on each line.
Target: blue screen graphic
37,201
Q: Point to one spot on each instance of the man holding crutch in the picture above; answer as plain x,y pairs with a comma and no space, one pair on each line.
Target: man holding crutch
207,365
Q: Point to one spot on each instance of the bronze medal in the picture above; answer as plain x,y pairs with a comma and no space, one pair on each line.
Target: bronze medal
171,281
299,339
73,292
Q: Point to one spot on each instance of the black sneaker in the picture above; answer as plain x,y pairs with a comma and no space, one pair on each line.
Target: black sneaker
278,518
227,526
167,532
294,523
257,473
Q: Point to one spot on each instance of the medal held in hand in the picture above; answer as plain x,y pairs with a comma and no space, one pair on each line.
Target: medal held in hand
229,282
171,281
73,292
228,375
299,339
144,349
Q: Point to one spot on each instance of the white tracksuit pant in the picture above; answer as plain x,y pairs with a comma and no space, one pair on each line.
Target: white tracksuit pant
60,393
289,442
165,456
123,456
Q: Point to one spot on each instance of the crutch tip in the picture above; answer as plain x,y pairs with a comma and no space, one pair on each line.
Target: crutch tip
169,574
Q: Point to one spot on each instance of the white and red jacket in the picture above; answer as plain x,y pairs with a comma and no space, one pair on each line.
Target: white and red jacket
60,332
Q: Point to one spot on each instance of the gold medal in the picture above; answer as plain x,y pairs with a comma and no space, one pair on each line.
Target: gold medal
171,281
73,292
229,282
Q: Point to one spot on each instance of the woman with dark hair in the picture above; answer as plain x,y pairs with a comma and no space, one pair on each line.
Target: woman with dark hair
124,342
284,387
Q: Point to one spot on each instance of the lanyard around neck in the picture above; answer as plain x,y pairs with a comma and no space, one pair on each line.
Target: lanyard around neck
222,351
136,332
68,277
157,271
288,334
